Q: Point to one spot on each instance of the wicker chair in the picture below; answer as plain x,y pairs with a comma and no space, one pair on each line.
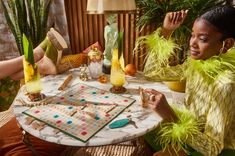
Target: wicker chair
5,116
130,148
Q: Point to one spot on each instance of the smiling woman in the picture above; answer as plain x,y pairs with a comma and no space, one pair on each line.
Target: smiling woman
206,40
209,117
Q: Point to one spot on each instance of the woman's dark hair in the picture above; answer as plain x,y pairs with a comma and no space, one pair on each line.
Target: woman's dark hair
223,18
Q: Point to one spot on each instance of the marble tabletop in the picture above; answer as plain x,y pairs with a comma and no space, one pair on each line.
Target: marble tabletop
145,119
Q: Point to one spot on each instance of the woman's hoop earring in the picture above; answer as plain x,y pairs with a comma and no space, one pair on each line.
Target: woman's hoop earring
222,48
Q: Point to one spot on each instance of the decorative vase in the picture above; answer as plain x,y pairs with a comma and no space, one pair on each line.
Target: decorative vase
95,63
110,37
178,86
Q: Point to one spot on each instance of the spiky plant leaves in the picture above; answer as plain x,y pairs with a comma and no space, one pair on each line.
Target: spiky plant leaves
44,11
32,18
120,49
28,17
120,43
28,50
9,10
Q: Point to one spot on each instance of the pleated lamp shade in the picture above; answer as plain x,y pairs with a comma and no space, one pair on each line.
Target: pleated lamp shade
110,6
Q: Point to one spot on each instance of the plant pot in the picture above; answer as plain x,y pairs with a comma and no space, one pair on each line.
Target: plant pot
178,86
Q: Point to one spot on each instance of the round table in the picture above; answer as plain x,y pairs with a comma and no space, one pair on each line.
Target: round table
145,119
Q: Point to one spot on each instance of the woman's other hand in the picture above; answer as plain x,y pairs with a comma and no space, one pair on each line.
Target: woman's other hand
172,21
157,101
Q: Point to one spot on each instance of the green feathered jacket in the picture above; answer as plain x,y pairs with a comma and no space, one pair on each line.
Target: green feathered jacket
210,95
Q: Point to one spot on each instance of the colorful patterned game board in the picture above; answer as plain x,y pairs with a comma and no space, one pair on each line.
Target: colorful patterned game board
80,111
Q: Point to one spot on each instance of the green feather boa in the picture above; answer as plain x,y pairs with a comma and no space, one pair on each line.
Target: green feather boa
157,47
176,134
213,67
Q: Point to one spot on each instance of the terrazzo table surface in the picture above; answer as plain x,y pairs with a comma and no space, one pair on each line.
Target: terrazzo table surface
145,119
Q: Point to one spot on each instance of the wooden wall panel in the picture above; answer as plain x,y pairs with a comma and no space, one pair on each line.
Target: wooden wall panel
86,29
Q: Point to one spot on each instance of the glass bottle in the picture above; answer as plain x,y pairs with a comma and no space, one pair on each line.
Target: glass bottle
95,62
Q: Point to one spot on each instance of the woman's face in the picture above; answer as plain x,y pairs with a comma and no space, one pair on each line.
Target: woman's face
205,40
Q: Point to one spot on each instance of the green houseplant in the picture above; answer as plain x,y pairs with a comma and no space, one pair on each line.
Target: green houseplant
28,17
23,17
154,11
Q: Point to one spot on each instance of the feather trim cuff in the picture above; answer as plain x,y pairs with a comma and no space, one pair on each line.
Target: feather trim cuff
159,50
176,134
213,67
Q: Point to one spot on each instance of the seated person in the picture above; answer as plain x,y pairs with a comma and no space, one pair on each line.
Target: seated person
206,125
47,58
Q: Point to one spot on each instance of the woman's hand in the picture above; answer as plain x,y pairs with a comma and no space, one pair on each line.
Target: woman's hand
157,101
172,21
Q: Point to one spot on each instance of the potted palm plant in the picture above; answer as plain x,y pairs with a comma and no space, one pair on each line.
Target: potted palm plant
154,11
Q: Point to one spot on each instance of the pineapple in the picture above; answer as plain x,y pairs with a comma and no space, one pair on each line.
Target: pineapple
28,71
31,73
117,77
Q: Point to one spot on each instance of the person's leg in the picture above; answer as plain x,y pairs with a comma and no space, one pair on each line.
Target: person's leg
10,67
53,53
11,143
51,49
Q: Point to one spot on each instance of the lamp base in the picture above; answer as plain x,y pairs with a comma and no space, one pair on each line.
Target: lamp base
118,89
36,96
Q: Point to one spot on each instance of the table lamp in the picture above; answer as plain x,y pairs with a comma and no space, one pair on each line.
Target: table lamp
112,8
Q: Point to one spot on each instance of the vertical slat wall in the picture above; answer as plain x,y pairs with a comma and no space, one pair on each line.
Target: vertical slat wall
86,29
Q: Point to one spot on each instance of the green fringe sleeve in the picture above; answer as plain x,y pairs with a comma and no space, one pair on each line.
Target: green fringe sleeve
175,134
159,50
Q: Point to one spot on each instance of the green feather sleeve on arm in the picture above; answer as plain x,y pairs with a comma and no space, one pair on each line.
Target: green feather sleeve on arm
176,134
159,50
208,134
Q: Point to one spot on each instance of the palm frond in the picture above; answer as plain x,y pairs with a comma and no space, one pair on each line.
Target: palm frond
120,43
154,11
28,50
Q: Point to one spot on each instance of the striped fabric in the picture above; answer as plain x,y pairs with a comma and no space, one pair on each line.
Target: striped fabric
6,116
131,148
